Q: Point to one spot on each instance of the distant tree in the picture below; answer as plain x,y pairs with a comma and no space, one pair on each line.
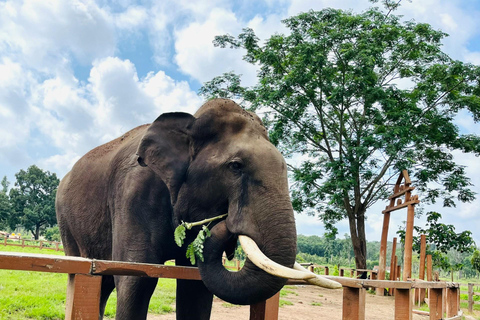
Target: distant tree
5,206
361,97
475,260
33,199
52,234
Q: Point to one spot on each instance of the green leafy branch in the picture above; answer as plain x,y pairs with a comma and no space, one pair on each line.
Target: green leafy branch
194,249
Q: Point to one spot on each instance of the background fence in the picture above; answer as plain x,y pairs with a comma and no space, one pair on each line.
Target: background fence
29,243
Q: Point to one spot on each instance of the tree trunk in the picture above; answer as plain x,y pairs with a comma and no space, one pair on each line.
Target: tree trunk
357,234
37,232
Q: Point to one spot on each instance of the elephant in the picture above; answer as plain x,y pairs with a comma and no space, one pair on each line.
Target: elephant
123,200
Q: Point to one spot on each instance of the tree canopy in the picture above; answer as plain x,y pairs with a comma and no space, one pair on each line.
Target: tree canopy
33,199
360,97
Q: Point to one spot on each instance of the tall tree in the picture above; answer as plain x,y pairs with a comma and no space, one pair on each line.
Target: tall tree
360,97
33,199
5,207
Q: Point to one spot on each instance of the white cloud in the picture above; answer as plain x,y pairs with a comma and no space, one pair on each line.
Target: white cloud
42,33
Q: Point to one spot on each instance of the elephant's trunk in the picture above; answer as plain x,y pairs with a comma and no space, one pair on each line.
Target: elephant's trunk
251,284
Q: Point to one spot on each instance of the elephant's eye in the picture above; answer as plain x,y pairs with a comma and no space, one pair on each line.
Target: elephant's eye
235,166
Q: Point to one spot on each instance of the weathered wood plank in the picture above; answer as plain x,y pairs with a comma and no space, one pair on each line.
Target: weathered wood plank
103,267
435,303
83,297
353,303
266,310
44,263
403,304
403,205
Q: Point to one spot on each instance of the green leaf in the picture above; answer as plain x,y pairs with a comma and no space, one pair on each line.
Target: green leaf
191,253
179,235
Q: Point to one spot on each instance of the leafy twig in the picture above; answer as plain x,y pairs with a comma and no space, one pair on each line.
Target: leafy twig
194,249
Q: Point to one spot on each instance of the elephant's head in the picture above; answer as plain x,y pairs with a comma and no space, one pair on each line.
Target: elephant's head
221,161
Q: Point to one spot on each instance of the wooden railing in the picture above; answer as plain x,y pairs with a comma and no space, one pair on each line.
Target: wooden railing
85,277
471,294
26,243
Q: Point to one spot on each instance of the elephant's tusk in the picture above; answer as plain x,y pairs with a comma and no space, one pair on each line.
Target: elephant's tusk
253,252
318,280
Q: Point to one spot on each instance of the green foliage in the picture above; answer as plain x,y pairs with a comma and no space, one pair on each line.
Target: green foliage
5,206
330,90
179,235
194,249
52,234
33,199
475,260
443,243
335,272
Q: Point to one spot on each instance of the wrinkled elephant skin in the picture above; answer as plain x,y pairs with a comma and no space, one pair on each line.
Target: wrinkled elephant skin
124,199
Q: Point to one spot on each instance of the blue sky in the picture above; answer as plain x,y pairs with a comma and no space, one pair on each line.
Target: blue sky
75,74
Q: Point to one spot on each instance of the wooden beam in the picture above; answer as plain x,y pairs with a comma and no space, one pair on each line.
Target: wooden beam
353,303
265,310
401,193
401,206
44,263
403,304
83,297
103,267
470,297
435,303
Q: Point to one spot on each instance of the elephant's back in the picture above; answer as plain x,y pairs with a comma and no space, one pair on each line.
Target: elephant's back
82,197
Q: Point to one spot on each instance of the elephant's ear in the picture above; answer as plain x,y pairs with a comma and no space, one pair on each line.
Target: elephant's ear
165,148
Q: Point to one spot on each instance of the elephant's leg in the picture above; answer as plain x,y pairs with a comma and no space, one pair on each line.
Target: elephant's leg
108,284
133,296
194,301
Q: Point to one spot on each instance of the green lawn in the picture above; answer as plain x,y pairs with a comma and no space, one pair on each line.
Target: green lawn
40,295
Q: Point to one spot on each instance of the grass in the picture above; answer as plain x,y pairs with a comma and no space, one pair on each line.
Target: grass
40,295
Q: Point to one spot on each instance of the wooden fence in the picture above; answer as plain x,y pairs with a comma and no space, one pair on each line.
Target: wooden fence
84,283
27,243
471,294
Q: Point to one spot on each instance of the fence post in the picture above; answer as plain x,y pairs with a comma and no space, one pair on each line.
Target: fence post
83,297
435,303
4,240
56,246
326,271
265,310
452,300
470,297
403,304
41,245
353,303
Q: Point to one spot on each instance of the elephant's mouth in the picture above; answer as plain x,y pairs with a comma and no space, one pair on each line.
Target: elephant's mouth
260,260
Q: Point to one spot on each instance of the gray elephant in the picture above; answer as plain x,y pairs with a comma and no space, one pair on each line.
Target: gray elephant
124,199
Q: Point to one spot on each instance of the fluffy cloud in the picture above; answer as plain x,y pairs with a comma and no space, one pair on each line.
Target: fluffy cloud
44,33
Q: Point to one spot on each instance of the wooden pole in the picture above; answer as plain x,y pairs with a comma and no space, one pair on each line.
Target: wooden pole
421,275
265,310
435,303
429,268
383,251
407,258
452,302
470,297
83,297
403,304
392,263
353,303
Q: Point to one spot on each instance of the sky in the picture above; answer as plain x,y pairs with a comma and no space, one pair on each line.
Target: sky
76,74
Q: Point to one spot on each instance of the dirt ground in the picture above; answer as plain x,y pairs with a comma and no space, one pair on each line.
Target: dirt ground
308,303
